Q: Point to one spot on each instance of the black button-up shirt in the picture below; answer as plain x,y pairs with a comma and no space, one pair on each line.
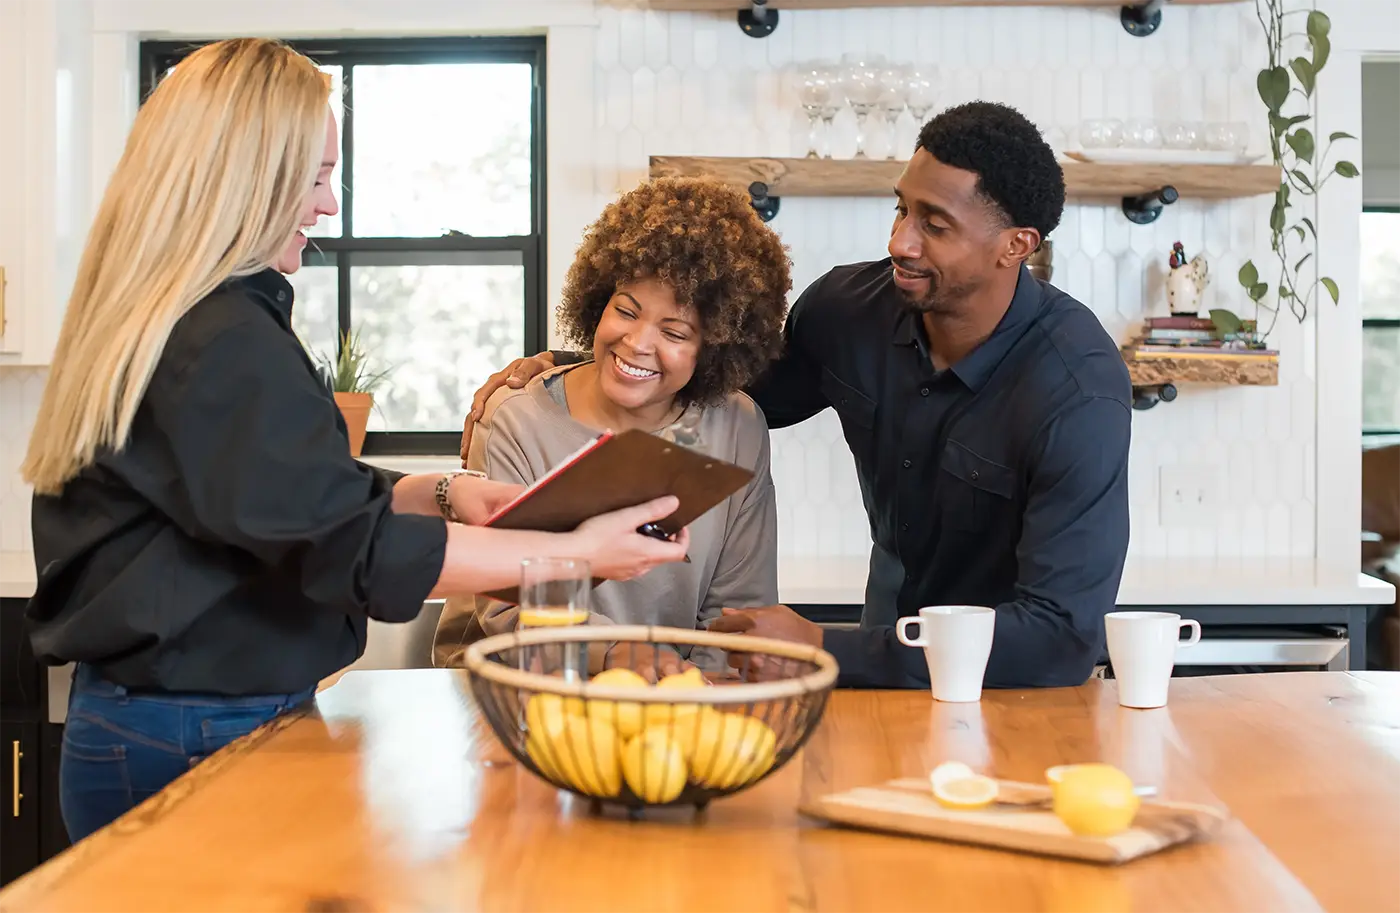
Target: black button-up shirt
232,546
1001,481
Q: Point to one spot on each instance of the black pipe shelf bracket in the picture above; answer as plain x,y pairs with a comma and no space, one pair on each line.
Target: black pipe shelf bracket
1141,19
1144,210
763,204
757,20
1146,397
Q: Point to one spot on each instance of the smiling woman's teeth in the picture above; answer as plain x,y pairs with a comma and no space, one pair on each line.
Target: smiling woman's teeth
631,371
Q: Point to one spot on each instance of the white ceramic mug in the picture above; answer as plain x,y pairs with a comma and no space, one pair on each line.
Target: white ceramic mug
1142,648
957,641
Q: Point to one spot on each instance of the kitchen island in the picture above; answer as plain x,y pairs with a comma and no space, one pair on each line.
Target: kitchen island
390,793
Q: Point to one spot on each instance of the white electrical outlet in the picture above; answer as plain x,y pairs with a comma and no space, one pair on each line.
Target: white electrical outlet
1189,494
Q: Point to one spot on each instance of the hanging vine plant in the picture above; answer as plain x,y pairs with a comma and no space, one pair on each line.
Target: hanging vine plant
1287,86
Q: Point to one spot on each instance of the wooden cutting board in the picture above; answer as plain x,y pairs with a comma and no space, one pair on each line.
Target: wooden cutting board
1020,820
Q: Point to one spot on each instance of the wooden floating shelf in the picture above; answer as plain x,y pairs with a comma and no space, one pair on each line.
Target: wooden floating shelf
1239,370
803,177
730,5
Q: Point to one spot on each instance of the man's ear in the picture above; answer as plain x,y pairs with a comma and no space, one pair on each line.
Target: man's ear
1019,244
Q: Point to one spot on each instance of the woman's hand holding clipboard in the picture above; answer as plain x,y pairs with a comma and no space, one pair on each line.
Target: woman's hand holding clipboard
616,471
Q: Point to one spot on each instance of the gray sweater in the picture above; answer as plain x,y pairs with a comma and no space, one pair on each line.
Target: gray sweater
733,548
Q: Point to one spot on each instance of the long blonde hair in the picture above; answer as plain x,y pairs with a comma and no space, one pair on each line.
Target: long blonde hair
210,186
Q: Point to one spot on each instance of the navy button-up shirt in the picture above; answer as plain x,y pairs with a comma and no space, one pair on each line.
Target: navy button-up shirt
1001,481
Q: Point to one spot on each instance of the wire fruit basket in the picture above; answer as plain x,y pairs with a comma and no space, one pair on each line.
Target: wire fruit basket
615,738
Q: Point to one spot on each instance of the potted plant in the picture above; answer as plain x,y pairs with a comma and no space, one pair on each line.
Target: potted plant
350,379
1300,157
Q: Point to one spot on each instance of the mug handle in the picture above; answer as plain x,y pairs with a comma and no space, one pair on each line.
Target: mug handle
901,629
1195,627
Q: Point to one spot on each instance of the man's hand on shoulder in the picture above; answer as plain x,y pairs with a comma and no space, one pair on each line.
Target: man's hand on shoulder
514,375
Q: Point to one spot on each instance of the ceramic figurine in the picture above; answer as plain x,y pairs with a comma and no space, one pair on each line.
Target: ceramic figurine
1186,282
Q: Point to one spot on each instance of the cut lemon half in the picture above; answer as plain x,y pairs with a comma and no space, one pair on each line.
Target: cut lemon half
966,793
949,770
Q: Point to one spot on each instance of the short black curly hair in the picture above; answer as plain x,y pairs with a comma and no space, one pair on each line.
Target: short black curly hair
1016,169
704,240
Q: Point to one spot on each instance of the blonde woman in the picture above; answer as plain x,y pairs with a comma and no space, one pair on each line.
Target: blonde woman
207,549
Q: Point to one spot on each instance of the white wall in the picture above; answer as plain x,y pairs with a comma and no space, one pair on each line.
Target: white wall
693,83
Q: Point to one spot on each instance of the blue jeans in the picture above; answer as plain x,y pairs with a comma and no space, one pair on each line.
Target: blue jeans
120,748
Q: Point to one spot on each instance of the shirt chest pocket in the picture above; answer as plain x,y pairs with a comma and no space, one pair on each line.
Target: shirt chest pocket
977,494
857,412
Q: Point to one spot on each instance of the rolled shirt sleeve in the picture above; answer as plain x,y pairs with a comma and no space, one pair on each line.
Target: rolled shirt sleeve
262,465
1070,556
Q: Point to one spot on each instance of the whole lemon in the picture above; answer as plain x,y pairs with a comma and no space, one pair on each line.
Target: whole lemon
662,714
654,767
1095,800
624,716
686,728
580,752
730,750
546,709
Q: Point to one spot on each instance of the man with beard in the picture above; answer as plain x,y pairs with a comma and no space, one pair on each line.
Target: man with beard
988,413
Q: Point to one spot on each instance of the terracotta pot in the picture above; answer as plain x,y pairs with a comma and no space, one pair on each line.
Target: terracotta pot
355,408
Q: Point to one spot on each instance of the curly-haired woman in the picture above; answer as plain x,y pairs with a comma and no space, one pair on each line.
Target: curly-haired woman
679,290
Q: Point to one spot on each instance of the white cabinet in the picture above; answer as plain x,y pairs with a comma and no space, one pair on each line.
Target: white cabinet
45,87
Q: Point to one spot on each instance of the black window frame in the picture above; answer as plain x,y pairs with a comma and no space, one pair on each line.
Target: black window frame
156,57
1379,323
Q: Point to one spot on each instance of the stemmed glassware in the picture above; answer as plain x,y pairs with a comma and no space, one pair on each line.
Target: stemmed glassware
869,85
894,90
861,87
820,92
919,94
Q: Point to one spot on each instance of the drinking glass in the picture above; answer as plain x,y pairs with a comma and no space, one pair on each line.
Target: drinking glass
919,94
555,592
819,91
1227,137
1101,133
860,84
1142,134
894,89
1184,135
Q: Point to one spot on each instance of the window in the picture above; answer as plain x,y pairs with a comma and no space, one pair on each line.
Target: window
1380,321
436,259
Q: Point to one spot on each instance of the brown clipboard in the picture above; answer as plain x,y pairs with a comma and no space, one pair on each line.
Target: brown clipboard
617,471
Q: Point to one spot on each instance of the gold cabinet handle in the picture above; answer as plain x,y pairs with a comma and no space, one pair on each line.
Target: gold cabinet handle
14,746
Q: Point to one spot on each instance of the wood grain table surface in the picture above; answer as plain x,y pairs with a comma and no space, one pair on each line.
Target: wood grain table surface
392,794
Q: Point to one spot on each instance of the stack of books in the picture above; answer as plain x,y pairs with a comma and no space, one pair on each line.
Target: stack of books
1195,337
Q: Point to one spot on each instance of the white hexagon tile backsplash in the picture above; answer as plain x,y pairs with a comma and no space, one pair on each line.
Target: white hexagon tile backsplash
692,83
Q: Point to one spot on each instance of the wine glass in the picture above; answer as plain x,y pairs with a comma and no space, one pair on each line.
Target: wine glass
819,92
919,94
860,84
894,86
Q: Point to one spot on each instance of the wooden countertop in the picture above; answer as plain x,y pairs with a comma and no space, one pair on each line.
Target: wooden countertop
393,795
